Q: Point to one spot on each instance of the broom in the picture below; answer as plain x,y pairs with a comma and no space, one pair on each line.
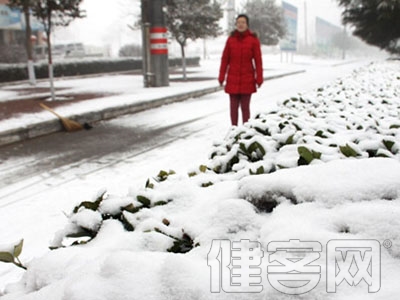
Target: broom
68,124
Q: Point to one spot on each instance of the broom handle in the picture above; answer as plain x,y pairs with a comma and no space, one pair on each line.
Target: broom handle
50,110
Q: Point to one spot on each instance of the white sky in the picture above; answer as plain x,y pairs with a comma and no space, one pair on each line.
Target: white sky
106,24
107,21
326,9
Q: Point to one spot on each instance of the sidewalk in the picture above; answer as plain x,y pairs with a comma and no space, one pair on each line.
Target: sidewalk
94,98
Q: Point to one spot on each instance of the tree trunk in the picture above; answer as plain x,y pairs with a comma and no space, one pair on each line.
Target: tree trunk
28,31
344,43
183,62
50,60
205,49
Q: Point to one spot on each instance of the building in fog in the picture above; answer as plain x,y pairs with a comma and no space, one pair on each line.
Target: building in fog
326,34
12,34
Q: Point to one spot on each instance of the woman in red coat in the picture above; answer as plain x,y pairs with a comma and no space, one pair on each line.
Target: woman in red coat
242,61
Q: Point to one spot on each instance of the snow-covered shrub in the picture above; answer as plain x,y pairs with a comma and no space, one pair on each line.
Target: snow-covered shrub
344,190
337,121
87,218
351,118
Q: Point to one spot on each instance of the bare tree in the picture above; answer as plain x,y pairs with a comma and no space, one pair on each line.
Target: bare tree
266,19
25,6
190,19
55,13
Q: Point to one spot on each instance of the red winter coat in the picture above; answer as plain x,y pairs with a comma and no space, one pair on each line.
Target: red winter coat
242,59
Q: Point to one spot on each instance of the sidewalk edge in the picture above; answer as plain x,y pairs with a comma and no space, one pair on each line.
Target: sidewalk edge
47,127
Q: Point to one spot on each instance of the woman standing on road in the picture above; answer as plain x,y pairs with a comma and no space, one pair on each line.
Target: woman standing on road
242,61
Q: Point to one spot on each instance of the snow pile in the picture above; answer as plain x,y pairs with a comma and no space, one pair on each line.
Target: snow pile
336,182
328,168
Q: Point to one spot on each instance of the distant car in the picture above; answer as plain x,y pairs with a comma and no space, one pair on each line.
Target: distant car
70,50
74,50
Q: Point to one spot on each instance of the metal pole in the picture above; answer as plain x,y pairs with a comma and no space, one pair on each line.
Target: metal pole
146,59
159,43
149,75
305,25
231,15
344,42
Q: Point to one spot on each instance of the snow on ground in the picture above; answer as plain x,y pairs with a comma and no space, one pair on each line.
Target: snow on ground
125,89
346,187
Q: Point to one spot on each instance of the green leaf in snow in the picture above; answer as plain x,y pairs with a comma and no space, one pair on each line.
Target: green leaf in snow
6,257
18,248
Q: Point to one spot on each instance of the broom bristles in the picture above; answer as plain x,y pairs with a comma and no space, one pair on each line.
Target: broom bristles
69,125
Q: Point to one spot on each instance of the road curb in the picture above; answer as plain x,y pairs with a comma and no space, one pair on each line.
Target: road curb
51,126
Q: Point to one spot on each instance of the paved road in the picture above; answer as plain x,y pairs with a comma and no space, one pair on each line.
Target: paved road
112,142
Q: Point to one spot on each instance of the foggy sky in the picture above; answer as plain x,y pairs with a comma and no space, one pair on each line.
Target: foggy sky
107,21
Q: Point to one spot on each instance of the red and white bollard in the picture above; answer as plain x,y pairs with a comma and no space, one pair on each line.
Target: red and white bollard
158,40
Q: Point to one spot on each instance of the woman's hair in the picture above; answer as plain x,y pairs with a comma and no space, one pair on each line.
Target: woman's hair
243,16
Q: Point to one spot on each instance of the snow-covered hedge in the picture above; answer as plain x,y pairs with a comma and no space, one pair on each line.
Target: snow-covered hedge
324,165
357,116
87,217
73,67
354,117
